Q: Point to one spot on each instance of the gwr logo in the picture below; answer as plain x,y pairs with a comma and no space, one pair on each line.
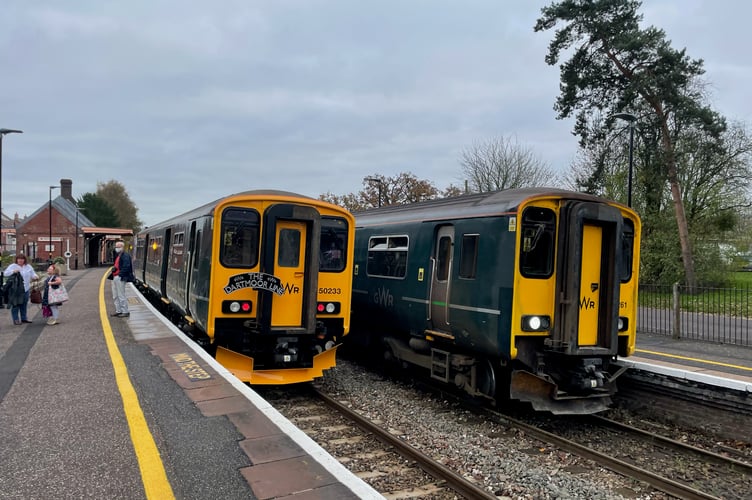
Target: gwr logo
289,288
383,297
586,303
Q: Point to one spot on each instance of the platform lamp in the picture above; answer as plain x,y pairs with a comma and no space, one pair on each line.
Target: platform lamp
629,117
49,242
3,133
380,183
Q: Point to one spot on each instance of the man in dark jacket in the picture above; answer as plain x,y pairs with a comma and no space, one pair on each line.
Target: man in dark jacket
121,274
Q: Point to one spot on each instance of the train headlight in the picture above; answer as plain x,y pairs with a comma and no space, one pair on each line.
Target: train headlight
535,323
327,307
623,324
237,306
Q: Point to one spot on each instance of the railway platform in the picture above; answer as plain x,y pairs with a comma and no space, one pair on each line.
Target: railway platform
720,365
107,407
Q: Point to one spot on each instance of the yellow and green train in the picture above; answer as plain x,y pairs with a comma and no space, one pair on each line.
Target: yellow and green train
261,279
528,293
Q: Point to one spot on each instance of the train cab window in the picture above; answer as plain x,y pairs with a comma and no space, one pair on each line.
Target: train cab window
537,238
387,256
240,236
289,248
333,244
627,251
469,256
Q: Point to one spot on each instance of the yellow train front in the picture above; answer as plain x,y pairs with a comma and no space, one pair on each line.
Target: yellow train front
261,279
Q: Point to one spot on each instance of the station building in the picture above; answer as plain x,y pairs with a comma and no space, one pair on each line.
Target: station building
59,229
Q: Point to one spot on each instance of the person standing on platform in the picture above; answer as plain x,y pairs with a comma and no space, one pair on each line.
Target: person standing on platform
20,304
53,280
122,273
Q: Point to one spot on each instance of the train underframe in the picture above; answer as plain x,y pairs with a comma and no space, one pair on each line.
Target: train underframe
548,380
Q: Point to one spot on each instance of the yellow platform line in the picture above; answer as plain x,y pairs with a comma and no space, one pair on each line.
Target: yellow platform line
727,365
150,463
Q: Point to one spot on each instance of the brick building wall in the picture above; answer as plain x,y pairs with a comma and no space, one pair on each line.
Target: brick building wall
33,237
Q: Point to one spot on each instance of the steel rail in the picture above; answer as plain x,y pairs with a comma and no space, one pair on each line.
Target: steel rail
456,482
666,485
677,445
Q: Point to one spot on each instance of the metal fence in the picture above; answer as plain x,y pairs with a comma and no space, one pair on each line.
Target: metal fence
722,315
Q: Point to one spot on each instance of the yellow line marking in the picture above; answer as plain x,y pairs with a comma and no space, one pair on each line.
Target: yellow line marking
153,473
696,360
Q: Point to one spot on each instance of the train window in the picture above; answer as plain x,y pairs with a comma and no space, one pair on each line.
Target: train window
333,244
197,250
538,230
627,249
387,256
443,257
289,248
240,236
154,252
469,256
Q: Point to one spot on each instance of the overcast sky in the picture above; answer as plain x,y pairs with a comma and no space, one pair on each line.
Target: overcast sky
184,102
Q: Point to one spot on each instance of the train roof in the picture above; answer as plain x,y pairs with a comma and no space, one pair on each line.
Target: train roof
208,208
465,206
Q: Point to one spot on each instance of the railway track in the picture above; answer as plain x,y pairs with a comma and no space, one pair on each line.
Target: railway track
668,465
381,457
665,464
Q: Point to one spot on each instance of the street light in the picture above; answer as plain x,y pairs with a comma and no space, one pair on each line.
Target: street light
49,242
380,183
629,117
3,132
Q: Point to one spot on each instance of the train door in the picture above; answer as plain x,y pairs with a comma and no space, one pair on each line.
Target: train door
441,263
290,260
188,265
590,278
142,246
166,249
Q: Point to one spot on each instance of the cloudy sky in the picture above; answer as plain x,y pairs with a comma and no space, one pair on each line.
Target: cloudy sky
184,102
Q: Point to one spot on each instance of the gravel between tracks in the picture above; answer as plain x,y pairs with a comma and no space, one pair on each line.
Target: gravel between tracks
509,463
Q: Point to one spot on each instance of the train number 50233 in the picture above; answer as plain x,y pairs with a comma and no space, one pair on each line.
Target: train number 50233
330,291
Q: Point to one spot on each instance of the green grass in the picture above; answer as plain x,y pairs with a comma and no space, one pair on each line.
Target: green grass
732,301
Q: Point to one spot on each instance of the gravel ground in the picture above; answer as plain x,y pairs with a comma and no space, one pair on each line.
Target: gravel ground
509,463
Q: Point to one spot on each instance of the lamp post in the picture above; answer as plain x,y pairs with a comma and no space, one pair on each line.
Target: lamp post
76,260
629,117
379,182
3,132
49,242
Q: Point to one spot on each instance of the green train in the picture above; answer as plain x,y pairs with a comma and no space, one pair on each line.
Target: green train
528,294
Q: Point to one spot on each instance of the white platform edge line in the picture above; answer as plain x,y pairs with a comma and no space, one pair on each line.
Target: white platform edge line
690,375
339,471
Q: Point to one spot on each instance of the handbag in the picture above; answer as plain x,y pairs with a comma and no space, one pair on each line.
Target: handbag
35,295
57,295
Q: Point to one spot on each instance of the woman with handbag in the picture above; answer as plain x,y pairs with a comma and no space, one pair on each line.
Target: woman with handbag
54,294
20,303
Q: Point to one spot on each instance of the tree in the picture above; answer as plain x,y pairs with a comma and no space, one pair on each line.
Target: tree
618,67
503,163
352,202
97,210
380,190
117,197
